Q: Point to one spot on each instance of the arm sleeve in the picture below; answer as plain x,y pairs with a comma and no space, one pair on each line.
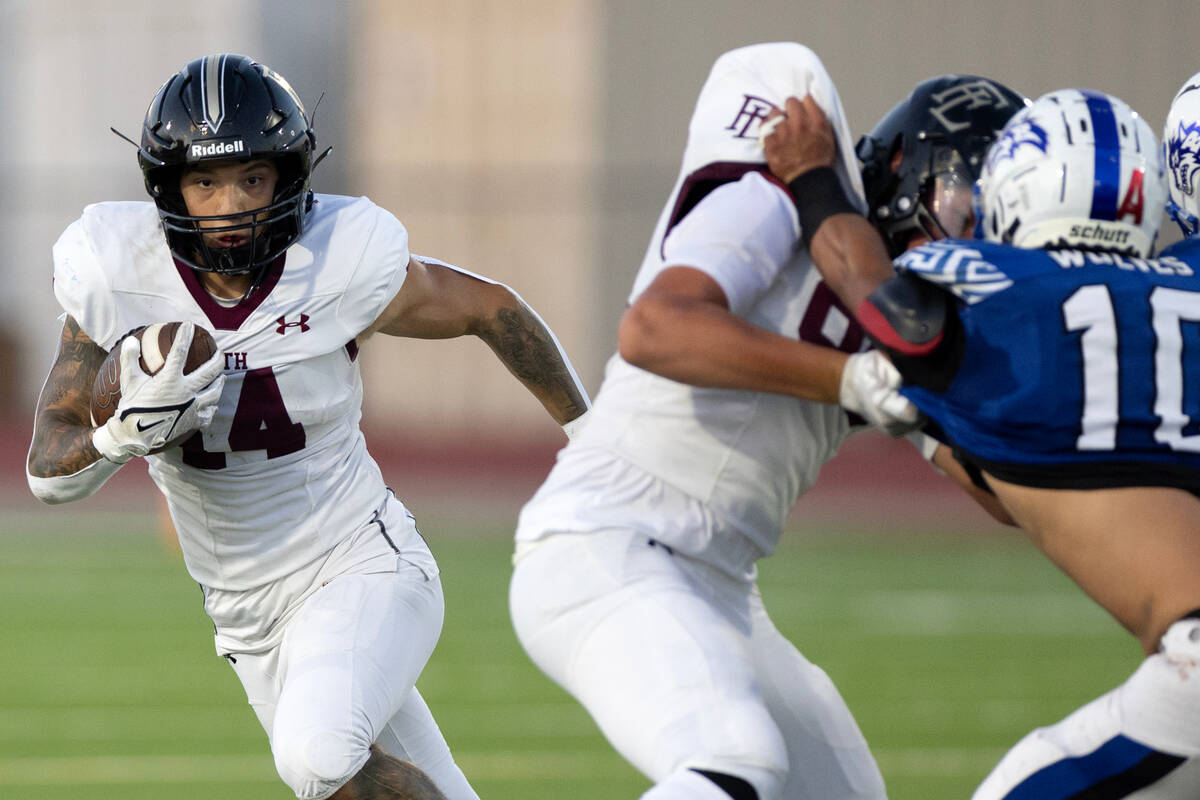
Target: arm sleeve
68,488
741,235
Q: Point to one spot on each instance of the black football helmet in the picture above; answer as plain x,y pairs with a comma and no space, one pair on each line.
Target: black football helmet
921,161
219,107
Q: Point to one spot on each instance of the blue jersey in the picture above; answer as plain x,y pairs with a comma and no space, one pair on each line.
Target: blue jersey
1077,369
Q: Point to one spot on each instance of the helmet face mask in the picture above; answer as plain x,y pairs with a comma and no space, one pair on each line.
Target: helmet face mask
1181,151
945,207
1076,169
217,108
921,160
270,230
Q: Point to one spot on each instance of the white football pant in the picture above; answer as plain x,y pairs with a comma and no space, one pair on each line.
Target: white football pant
681,668
1141,740
343,678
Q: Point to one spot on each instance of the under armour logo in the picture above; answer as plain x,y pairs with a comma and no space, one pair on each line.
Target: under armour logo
753,111
284,324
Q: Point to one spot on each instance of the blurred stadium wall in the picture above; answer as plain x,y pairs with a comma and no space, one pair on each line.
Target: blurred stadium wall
532,141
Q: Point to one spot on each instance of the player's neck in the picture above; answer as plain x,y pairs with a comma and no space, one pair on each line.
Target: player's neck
225,287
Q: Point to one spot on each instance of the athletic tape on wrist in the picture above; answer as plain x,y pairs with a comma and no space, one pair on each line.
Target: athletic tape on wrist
818,194
576,425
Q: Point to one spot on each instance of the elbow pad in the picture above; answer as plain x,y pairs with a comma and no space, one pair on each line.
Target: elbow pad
915,323
906,315
66,488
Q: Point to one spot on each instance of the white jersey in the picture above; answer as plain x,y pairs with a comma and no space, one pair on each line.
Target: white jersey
714,472
709,472
282,475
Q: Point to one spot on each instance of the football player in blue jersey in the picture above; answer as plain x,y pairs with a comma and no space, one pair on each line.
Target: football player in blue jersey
1058,359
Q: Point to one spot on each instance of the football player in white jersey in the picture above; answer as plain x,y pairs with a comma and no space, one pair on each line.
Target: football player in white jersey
1083,427
634,584
325,599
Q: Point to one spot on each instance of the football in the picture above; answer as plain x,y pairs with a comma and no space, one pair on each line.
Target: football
156,342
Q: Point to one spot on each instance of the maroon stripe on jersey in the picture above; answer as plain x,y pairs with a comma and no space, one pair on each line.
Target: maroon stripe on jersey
352,349
697,186
231,318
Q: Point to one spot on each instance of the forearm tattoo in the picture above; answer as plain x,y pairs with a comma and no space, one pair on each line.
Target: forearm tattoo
62,436
529,351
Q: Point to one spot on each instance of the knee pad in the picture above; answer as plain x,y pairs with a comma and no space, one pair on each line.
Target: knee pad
317,764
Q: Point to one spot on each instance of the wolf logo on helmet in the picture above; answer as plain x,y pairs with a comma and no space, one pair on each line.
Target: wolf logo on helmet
1181,146
1183,156
1027,133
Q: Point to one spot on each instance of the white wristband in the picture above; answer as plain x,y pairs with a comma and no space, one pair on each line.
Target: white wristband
926,445
572,428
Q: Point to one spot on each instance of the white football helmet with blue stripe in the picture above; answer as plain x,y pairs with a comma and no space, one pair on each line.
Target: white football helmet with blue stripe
1077,168
1181,149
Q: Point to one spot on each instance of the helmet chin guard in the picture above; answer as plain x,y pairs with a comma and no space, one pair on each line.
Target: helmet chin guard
222,107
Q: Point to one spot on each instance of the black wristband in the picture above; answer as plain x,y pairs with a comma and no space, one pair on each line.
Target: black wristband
818,194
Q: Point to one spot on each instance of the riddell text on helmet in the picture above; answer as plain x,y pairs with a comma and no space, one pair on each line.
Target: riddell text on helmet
211,149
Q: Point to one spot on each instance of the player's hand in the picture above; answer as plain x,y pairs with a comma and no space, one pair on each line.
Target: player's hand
870,388
798,139
156,409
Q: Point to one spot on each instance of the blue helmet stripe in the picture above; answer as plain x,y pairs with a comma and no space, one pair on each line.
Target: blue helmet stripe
1107,172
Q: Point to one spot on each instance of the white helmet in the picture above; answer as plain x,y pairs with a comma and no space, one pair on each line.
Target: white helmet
1181,148
1076,168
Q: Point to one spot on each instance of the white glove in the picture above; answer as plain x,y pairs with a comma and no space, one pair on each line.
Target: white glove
156,409
870,388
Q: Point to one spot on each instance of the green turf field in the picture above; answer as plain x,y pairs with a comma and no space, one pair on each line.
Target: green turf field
948,648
